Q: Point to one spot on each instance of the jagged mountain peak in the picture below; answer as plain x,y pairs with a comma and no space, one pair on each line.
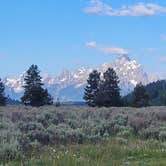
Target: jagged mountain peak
124,58
122,63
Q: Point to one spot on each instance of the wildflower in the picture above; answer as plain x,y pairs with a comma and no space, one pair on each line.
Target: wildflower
67,152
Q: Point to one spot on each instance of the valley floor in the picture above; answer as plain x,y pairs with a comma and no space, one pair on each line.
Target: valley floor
82,136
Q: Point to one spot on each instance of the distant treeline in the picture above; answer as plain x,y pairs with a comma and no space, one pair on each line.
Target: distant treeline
100,91
106,92
155,91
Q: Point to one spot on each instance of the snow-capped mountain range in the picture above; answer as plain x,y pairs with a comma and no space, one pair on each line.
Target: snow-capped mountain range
69,85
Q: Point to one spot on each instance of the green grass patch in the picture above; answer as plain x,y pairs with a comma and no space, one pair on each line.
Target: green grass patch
111,153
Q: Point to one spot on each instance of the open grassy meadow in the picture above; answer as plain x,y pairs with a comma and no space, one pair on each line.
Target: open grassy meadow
82,136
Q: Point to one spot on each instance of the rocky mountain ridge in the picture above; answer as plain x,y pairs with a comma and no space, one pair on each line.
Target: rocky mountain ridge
69,85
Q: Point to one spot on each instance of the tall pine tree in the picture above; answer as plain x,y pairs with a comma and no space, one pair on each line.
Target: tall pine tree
35,94
140,97
3,99
109,91
92,88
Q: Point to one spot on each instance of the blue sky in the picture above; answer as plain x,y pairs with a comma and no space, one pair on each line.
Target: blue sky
68,34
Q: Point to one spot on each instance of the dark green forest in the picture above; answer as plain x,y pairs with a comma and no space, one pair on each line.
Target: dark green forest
156,92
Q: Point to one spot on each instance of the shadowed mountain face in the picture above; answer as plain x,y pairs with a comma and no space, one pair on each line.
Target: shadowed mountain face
69,85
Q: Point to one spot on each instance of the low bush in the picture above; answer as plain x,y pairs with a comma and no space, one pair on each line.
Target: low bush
10,151
126,133
138,123
149,133
162,135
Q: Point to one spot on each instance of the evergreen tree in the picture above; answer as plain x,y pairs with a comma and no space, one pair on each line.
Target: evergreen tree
109,91
48,99
3,99
92,88
35,94
156,92
140,97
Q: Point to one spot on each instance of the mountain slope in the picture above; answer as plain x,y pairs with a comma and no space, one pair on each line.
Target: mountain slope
69,85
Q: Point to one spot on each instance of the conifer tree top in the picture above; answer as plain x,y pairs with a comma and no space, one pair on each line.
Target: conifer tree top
35,94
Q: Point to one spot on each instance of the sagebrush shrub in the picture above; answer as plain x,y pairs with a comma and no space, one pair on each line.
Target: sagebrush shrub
9,151
150,133
32,128
126,133
161,115
162,135
138,123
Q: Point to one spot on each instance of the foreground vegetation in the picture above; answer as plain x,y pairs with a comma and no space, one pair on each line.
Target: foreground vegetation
82,136
115,152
